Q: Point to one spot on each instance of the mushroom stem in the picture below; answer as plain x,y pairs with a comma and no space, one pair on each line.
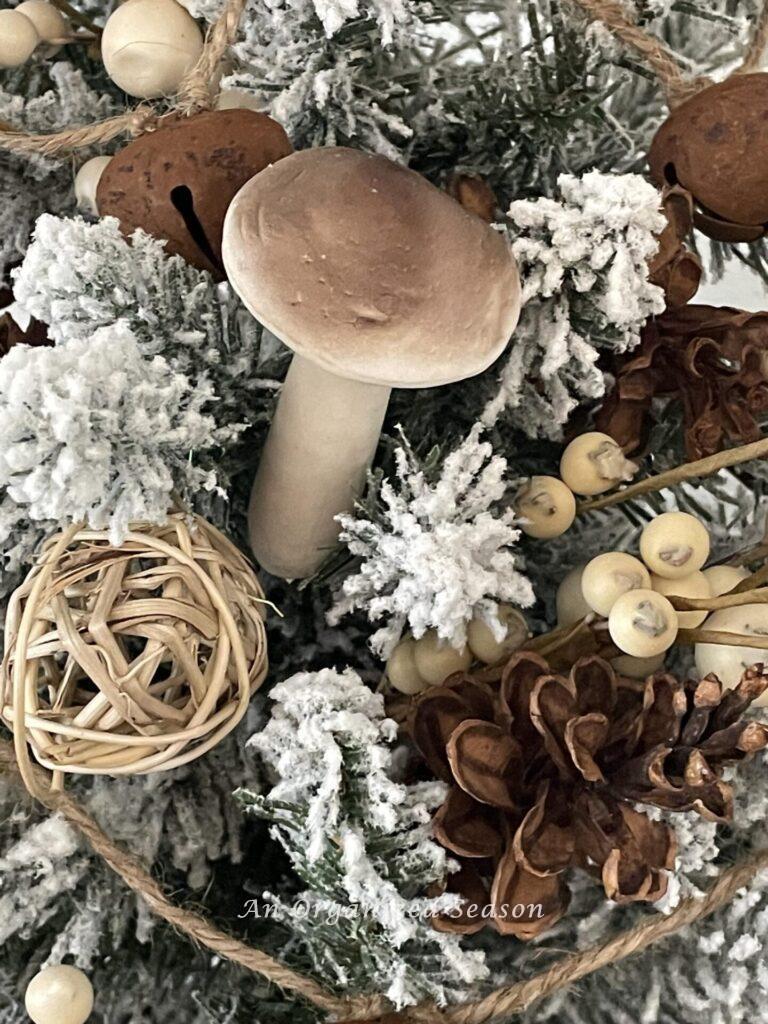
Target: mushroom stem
320,446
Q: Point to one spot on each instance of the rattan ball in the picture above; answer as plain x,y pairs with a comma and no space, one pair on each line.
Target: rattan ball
132,658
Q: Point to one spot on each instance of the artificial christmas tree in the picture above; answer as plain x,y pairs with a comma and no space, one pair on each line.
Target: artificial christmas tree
607,151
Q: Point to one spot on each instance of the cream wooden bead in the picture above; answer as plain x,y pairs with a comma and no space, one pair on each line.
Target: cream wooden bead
18,39
546,507
610,575
694,585
87,181
148,46
401,668
570,603
729,663
49,21
436,659
642,623
638,668
674,544
484,645
723,578
593,463
59,995
239,99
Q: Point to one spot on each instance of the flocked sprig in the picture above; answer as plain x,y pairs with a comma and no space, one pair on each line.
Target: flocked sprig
584,264
359,841
439,550
94,431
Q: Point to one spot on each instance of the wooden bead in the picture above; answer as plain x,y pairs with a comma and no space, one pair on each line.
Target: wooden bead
729,663
723,578
59,995
674,544
546,507
642,623
484,645
401,668
49,21
638,668
593,463
18,39
87,181
436,659
694,585
570,603
610,575
148,46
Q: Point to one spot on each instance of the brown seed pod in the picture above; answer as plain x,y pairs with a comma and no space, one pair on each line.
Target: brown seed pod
474,194
715,146
176,183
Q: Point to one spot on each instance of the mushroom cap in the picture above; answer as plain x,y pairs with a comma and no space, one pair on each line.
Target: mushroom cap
369,271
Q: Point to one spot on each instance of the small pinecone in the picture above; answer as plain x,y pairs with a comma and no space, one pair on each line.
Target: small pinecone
545,772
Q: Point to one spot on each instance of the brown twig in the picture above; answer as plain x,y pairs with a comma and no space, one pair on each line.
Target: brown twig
688,471
733,599
716,636
77,17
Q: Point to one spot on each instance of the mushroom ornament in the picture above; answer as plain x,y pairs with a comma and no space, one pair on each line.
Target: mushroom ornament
376,280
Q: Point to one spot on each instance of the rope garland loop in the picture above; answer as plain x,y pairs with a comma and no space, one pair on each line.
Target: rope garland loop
198,92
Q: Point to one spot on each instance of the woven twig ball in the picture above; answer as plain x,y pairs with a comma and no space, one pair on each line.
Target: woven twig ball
133,658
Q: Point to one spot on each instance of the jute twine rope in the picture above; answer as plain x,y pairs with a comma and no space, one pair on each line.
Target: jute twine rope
652,52
199,89
678,86
77,17
198,92
505,1001
499,1004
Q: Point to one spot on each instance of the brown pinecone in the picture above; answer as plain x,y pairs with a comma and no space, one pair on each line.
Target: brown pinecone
674,267
714,361
545,770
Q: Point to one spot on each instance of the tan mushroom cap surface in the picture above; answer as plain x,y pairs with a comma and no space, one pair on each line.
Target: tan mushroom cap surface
368,270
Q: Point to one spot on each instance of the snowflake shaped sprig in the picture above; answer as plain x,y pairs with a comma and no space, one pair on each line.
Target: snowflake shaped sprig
437,553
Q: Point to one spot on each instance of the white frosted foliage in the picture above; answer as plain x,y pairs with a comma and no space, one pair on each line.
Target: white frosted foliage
357,836
93,430
584,264
440,553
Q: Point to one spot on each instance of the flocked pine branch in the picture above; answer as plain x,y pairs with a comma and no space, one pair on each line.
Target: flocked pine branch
584,264
77,277
44,99
359,841
93,430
